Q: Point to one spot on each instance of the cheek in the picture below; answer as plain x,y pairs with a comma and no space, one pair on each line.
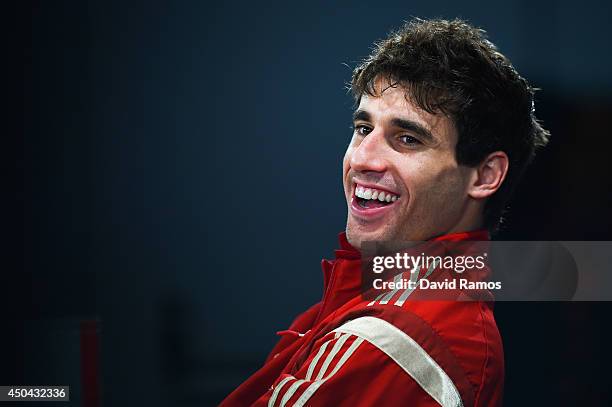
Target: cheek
446,194
429,181
350,148
345,168
346,162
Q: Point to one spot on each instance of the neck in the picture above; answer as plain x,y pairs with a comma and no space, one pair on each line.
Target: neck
472,219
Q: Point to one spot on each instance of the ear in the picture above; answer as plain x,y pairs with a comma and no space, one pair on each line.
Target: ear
489,175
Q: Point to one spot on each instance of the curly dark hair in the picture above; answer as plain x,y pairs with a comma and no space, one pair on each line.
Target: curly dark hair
450,67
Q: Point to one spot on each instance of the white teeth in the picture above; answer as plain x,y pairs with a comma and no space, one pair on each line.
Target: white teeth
369,193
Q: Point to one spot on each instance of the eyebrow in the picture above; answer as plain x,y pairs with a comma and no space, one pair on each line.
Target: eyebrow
408,125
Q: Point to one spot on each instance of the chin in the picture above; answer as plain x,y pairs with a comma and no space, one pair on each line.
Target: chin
356,235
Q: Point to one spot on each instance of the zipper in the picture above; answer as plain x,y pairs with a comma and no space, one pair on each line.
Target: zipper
326,294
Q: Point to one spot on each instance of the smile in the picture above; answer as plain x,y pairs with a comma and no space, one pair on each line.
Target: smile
369,202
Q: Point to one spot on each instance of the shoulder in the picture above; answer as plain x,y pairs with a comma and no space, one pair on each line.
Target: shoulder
440,344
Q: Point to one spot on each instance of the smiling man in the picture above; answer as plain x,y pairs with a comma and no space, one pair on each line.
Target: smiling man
401,177
443,130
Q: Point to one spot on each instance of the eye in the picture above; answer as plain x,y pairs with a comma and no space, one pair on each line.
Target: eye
362,130
409,140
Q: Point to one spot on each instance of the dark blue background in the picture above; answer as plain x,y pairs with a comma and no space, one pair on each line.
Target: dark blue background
183,181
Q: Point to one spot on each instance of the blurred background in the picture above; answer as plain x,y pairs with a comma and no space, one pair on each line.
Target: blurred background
181,167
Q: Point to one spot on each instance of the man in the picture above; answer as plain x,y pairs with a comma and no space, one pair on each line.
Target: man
444,129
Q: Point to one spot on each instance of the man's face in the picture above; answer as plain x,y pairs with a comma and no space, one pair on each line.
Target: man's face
408,156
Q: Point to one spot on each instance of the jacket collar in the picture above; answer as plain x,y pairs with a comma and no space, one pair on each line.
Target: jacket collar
348,252
342,276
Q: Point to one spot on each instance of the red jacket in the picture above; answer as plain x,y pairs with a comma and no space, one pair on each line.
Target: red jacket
350,351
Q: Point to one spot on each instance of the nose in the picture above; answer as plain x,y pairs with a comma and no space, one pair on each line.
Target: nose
369,155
